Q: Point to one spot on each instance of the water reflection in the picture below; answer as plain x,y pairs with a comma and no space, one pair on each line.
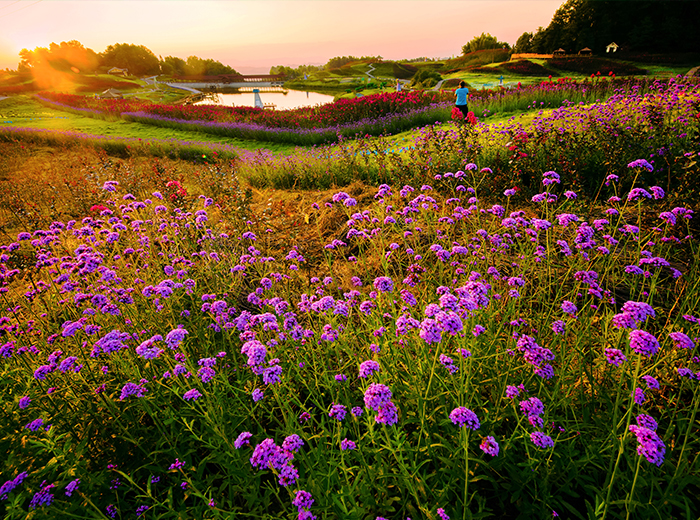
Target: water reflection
278,99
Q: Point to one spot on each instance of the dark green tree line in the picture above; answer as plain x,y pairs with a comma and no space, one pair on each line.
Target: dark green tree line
651,26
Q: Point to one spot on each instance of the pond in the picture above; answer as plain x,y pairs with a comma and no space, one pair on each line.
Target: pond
281,99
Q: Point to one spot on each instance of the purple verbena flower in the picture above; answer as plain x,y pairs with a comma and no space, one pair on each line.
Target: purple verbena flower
489,446
650,444
346,444
541,440
242,439
367,368
462,416
643,343
376,396
338,412
615,356
192,394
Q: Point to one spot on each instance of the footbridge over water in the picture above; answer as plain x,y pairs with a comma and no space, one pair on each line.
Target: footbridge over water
228,81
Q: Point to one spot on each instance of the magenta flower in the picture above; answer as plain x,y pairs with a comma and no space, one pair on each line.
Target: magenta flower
384,284
367,368
376,396
650,444
338,411
541,440
303,500
387,414
615,356
489,446
193,394
292,443
462,416
346,444
681,340
643,343
242,440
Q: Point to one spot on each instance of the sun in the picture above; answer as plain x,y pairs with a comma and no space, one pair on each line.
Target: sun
29,43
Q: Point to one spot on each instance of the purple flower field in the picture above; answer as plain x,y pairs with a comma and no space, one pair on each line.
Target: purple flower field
425,350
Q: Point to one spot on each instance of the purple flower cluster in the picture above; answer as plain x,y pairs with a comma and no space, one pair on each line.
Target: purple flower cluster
338,412
615,356
267,455
533,408
541,440
10,485
681,340
633,314
462,416
650,444
489,446
536,356
303,502
643,343
346,444
369,367
43,497
378,398
242,439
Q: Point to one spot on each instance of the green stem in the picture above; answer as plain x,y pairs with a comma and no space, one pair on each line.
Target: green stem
622,440
465,499
634,483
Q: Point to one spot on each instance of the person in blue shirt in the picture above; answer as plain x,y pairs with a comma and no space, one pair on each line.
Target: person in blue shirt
461,94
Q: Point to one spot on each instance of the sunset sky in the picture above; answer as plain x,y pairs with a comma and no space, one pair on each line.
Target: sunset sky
253,35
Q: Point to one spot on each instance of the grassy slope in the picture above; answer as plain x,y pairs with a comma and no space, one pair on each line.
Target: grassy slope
25,112
455,68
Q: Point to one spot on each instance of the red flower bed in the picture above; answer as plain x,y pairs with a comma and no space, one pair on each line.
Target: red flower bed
333,114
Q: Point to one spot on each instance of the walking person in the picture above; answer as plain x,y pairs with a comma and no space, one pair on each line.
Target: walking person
461,94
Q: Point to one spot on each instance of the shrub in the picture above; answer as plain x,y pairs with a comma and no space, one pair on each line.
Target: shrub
594,65
403,70
425,78
526,68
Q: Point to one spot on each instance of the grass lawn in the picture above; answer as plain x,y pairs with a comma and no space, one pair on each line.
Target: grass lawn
23,111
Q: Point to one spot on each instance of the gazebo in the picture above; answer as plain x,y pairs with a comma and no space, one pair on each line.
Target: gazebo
585,52
612,47
559,52
117,70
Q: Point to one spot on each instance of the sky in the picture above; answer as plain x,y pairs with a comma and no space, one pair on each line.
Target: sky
253,35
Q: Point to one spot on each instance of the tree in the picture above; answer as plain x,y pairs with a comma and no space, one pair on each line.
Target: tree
636,25
425,78
483,42
173,66
524,43
293,73
64,57
138,59
198,66
339,61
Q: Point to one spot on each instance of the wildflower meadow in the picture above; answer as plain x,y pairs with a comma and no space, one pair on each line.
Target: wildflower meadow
488,321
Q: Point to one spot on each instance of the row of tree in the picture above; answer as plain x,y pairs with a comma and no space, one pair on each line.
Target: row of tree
294,72
137,59
641,26
649,26
339,61
333,63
